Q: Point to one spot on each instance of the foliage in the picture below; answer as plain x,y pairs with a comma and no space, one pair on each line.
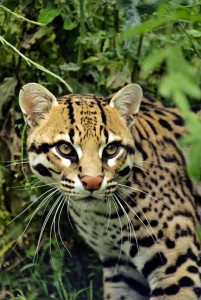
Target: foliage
96,47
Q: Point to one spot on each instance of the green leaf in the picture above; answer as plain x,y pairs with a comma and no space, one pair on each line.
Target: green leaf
193,139
185,85
194,33
180,80
48,14
70,67
145,27
31,62
198,232
91,59
119,75
194,162
69,24
167,86
152,61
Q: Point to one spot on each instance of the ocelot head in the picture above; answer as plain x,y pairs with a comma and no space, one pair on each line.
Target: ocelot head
80,143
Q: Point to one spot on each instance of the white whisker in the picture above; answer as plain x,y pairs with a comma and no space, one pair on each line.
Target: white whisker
151,163
130,224
120,250
34,186
53,225
147,194
67,211
58,225
144,170
150,232
15,162
54,191
33,214
108,215
44,225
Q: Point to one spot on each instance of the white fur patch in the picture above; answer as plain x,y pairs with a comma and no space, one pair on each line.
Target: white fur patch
113,138
66,162
62,137
112,161
78,150
100,151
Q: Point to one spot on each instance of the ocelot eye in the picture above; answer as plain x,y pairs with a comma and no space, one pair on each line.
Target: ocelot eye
65,149
111,150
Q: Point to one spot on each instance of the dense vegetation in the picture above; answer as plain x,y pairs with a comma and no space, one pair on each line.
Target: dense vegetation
84,46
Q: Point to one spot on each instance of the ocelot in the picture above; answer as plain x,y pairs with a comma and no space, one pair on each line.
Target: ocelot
118,164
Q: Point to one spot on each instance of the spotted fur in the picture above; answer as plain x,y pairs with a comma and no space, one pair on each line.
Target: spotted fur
121,170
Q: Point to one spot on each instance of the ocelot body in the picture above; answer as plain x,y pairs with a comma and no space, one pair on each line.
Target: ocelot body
118,165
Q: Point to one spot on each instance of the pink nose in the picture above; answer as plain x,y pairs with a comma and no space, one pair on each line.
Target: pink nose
91,183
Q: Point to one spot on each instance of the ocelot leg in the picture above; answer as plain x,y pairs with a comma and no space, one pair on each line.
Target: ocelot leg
173,276
121,281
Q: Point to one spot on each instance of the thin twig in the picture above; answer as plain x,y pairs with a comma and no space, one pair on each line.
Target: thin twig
21,18
31,62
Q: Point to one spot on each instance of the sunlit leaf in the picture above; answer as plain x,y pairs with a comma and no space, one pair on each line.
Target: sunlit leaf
48,14
145,27
69,24
152,61
194,161
198,232
70,67
194,33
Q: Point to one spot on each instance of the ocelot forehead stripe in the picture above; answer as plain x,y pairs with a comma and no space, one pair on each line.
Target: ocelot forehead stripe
106,135
71,135
71,111
88,106
103,115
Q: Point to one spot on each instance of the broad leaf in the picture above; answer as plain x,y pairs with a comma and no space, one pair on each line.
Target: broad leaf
48,14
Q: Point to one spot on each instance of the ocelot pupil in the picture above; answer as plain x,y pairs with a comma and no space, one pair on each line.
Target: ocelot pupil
111,150
65,149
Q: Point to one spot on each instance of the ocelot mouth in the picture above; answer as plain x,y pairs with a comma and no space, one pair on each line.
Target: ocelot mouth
90,198
95,199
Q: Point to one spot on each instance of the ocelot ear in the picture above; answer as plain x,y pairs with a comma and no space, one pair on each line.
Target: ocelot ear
35,101
127,102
